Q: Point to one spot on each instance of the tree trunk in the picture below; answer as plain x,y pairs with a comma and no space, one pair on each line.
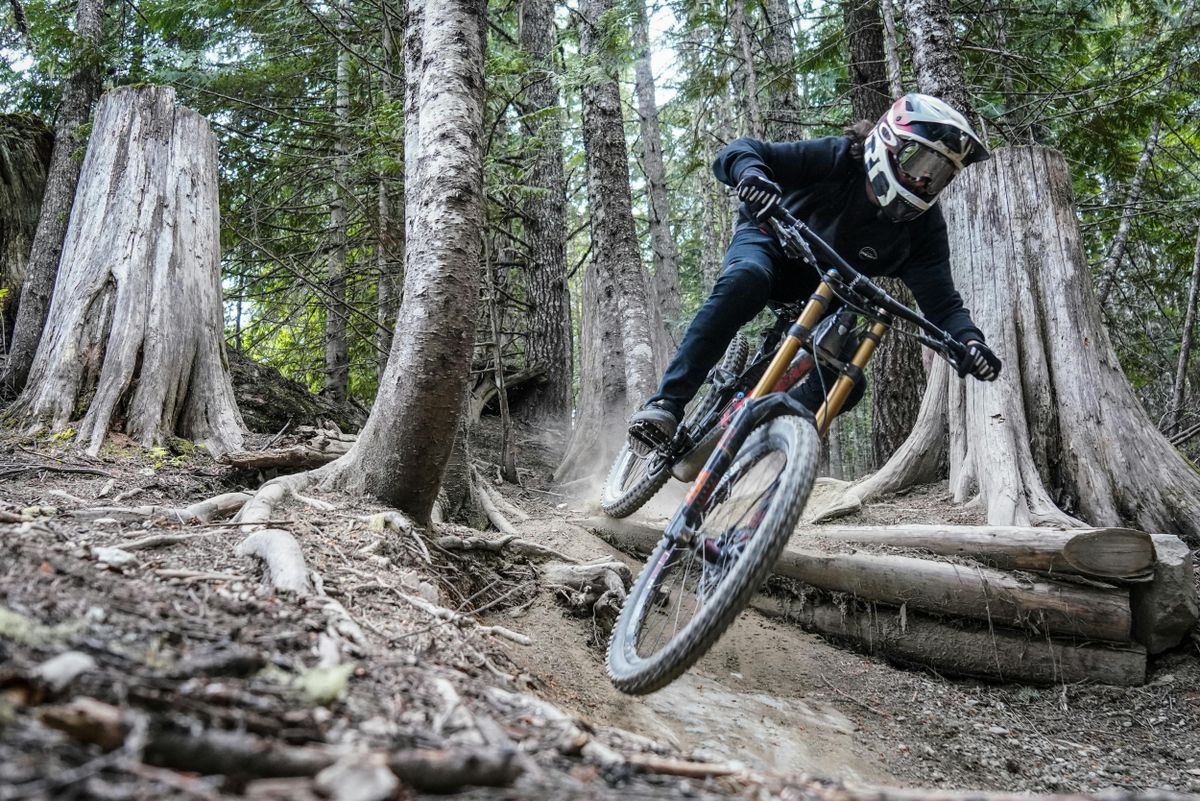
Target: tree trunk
1098,553
404,447
337,351
935,53
135,328
749,73
1185,346
870,96
544,210
891,49
599,415
783,116
665,281
390,251
614,241
79,95
896,370
25,146
1061,422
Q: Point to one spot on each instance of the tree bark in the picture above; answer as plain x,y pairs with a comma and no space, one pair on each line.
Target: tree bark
390,250
891,49
79,95
404,447
783,102
896,370
948,647
1179,390
1099,553
544,216
664,284
135,328
749,73
25,147
935,53
1062,421
337,350
615,250
603,400
870,96
1042,605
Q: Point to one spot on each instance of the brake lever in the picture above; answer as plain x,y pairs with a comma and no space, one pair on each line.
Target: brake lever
793,244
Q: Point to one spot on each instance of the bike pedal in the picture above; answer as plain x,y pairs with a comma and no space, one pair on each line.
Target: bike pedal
644,438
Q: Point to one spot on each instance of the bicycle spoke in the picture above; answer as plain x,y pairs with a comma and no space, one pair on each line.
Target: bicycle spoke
735,507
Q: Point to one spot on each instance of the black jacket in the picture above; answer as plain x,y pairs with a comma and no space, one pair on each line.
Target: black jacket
826,187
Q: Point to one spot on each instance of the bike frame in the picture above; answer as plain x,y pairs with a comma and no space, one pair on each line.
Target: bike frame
765,401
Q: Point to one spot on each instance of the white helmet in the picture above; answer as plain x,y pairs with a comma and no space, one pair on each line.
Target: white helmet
914,151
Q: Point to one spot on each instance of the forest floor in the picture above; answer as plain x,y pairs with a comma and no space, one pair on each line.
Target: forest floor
185,665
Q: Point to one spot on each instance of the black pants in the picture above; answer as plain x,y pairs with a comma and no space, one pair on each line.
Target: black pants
755,271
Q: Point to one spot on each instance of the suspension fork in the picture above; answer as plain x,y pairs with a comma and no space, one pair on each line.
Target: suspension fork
761,404
851,374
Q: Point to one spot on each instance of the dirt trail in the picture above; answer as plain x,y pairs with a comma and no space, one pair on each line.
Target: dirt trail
771,695
748,701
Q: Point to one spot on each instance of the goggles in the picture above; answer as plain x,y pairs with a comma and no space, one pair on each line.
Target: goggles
923,170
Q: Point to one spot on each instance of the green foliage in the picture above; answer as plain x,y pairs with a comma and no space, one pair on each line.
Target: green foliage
1089,78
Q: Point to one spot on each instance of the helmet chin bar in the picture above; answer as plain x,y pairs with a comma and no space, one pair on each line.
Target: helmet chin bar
899,204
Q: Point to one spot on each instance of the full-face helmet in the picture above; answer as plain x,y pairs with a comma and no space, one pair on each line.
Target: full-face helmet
914,151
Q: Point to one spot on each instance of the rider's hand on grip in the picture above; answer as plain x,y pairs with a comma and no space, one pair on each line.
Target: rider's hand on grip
980,362
760,194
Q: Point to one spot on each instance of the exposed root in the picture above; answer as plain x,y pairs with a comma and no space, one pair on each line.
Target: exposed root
597,588
509,509
217,508
510,543
280,553
451,616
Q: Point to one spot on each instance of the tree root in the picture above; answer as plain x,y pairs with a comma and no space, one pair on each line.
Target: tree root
206,511
596,588
509,543
450,616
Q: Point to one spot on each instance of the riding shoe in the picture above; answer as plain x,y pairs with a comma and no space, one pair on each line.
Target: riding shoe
651,427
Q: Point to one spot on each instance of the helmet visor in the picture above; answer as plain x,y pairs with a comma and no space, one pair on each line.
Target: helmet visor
923,171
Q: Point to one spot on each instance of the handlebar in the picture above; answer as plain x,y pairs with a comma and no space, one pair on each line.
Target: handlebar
803,243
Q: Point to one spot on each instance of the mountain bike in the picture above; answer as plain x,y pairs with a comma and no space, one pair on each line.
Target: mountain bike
754,449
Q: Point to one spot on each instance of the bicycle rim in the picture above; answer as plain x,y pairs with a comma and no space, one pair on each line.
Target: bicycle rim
688,595
632,481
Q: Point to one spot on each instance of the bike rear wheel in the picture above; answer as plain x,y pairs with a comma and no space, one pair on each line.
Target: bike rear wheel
634,478
687,595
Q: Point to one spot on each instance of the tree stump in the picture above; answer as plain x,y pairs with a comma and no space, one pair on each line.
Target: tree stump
134,336
1061,428
25,144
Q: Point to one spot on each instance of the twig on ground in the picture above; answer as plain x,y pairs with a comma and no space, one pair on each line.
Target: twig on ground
854,700
197,575
442,613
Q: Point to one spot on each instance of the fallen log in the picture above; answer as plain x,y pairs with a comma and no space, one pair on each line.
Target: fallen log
1103,553
296,457
485,390
1041,605
972,650
1166,609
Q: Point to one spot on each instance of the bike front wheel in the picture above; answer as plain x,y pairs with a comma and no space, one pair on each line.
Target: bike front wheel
687,595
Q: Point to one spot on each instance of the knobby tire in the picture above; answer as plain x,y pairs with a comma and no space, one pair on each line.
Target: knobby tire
632,479
634,674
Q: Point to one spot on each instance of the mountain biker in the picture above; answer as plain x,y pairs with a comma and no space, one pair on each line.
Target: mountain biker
871,195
